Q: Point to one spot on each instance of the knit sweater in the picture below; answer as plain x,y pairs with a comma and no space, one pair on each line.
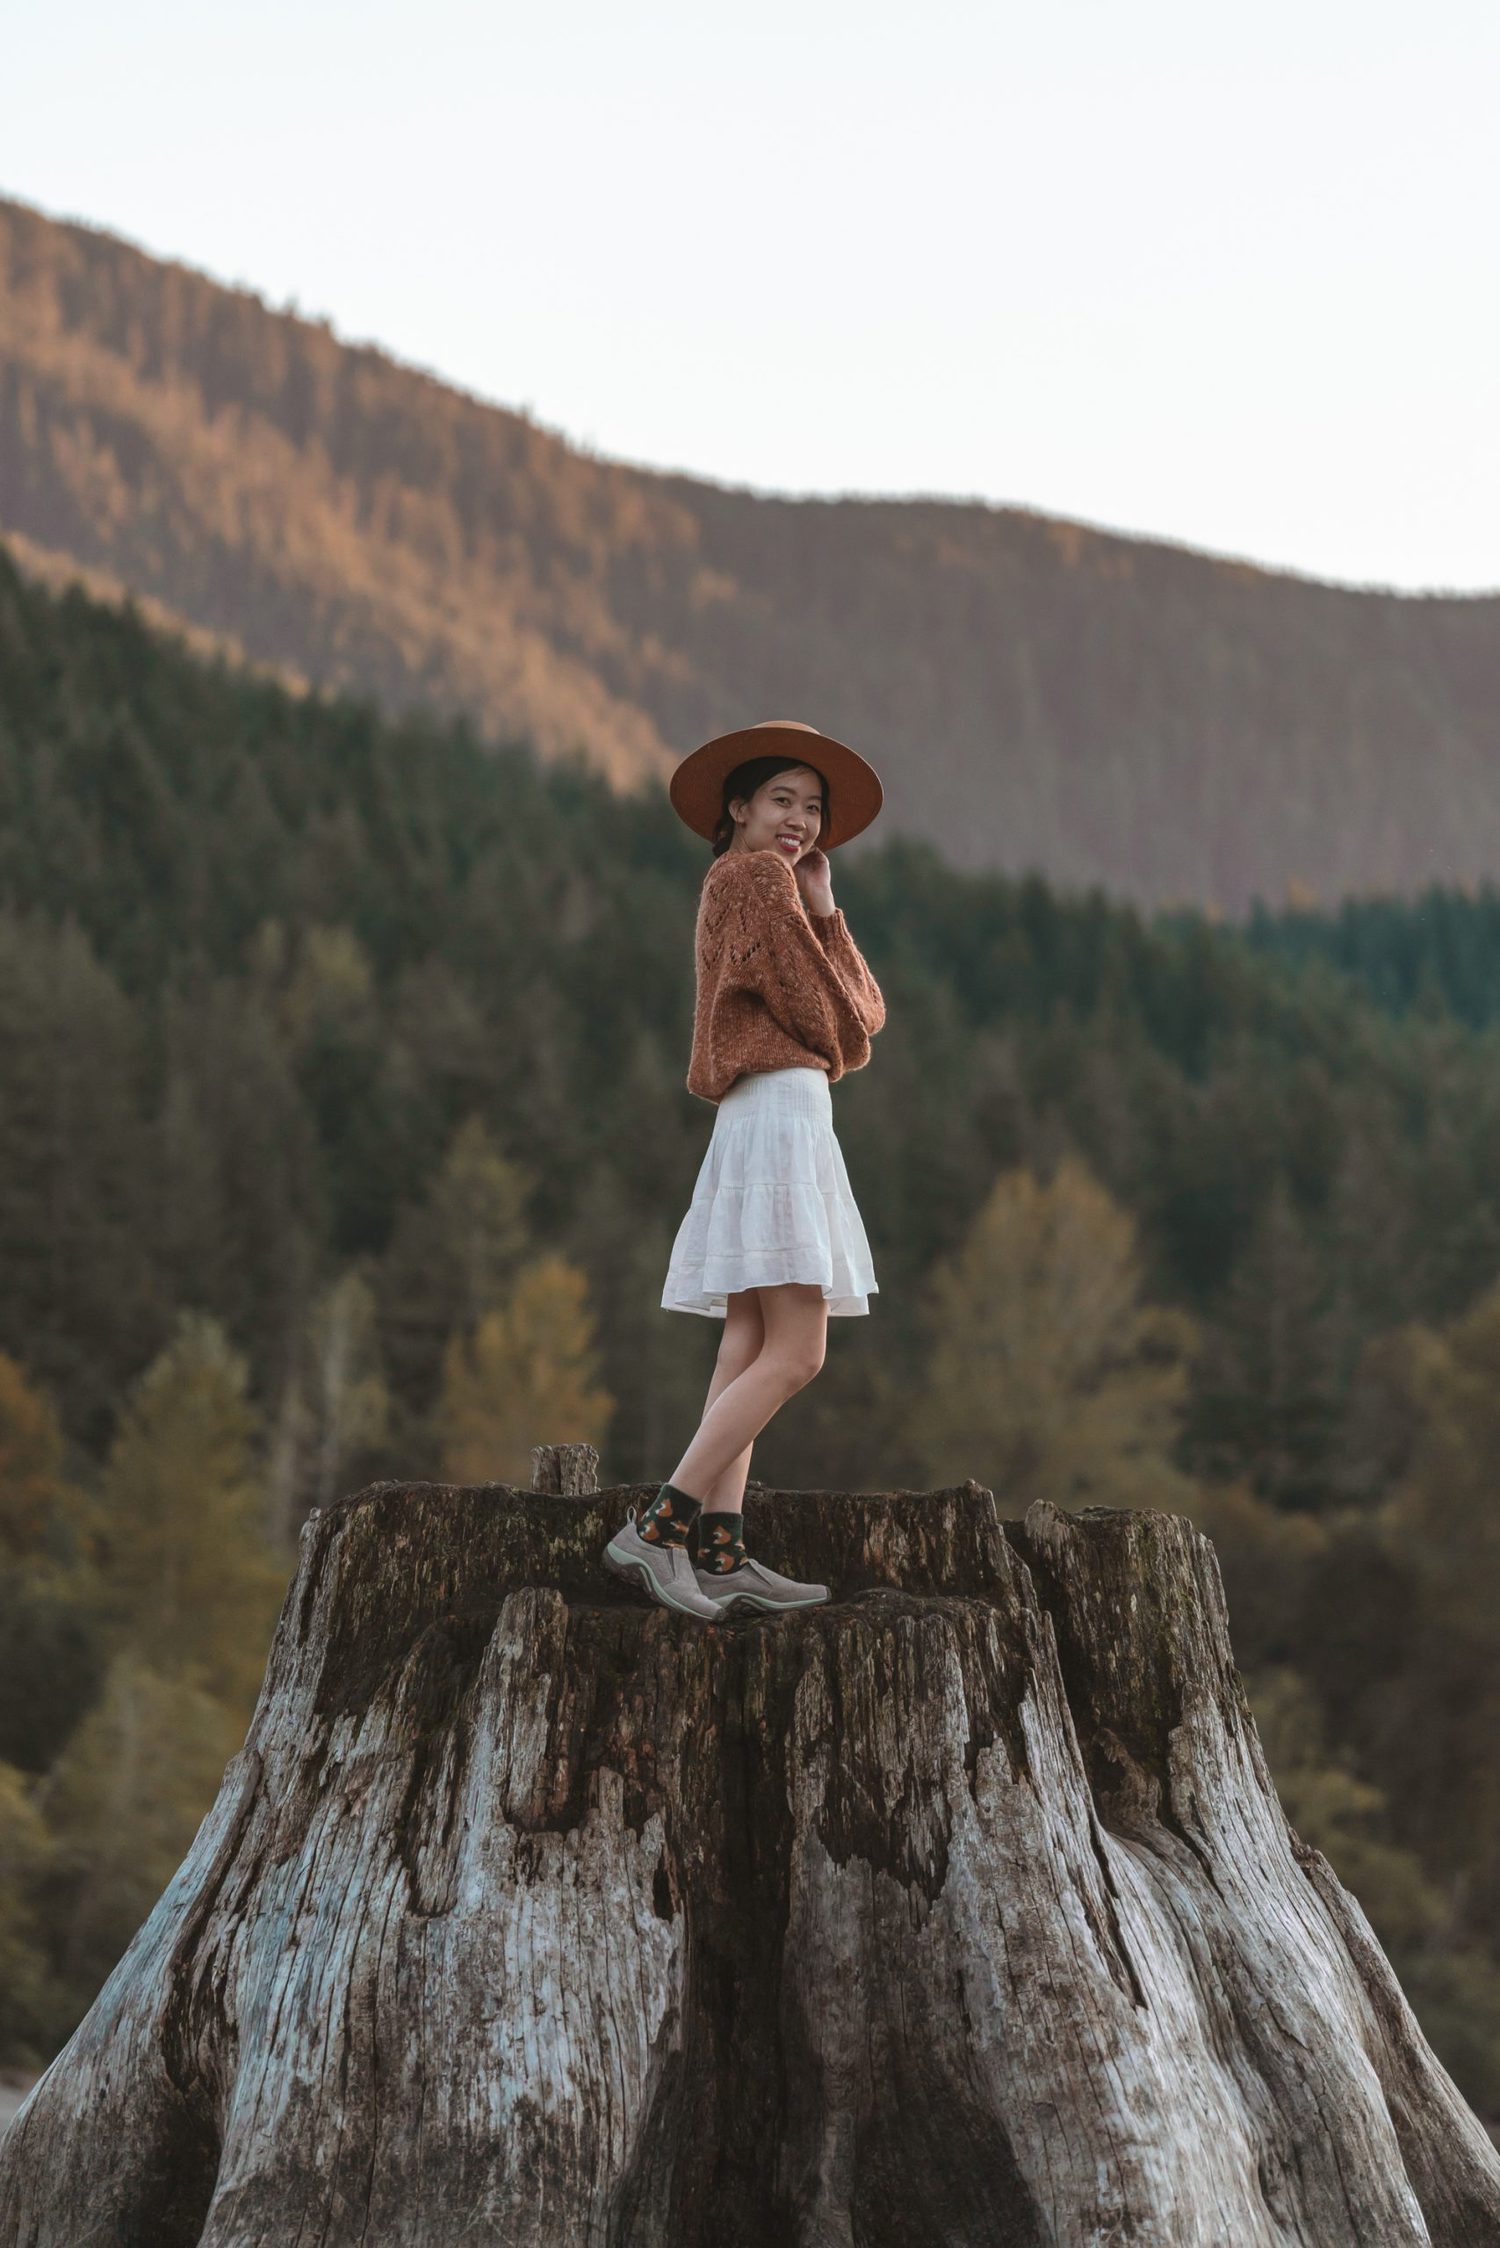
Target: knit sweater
778,987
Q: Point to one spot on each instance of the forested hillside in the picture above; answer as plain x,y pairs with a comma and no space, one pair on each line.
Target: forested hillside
1038,694
1441,950
343,1133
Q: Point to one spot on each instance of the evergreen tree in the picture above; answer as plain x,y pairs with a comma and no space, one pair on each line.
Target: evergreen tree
1269,1562
1269,1384
52,1649
236,1176
452,1258
355,1083
334,1408
194,1583
121,1805
1439,1727
26,1862
82,1292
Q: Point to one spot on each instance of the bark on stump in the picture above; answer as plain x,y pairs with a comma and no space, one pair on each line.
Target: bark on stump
958,1913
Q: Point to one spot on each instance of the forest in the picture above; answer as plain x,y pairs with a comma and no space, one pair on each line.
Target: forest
343,1135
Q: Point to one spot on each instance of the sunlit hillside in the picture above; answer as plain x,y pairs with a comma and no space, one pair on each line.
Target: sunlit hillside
1036,693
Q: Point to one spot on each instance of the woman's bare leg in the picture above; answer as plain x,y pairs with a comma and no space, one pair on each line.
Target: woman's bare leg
743,1339
795,1321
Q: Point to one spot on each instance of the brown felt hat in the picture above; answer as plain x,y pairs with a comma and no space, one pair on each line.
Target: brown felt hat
697,786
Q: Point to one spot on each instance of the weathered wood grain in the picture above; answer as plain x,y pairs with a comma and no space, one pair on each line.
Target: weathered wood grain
960,1911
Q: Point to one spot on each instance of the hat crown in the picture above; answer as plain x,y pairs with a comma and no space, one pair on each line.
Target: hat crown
696,784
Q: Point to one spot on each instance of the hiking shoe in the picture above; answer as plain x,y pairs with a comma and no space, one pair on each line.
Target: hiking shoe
665,1572
758,1587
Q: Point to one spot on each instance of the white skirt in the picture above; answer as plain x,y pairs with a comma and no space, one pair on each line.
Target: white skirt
772,1201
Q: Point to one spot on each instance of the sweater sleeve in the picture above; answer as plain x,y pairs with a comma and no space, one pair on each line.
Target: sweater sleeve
774,951
841,949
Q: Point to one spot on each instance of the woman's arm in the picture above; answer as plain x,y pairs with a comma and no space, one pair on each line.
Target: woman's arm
773,950
833,931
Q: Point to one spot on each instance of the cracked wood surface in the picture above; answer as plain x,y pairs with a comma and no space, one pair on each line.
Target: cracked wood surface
958,1913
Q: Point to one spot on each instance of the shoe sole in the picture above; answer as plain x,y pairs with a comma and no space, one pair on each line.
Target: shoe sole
769,1607
641,1573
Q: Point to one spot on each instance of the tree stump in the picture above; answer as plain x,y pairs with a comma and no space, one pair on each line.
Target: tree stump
958,1913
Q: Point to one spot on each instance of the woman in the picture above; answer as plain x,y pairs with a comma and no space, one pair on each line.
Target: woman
772,1241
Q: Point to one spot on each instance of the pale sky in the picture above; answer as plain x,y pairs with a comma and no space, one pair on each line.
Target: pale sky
1220,275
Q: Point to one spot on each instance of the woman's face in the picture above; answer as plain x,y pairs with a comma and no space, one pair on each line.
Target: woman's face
784,814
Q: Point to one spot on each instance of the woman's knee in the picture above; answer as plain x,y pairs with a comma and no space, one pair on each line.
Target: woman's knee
797,1362
796,1333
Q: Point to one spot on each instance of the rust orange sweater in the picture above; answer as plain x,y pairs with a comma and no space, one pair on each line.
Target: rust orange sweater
778,987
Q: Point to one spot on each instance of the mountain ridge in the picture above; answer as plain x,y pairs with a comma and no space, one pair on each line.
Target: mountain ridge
1037,692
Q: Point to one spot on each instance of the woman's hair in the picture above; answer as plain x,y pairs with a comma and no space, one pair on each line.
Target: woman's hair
746,779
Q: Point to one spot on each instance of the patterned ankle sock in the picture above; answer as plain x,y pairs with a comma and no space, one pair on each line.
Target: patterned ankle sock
669,1518
721,1546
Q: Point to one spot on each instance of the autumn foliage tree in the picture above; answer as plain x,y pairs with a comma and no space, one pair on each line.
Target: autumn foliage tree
1047,1367
528,1365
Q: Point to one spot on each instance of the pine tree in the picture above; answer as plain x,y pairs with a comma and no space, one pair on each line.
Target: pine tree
82,1293
122,1804
1443,1523
334,1407
194,1583
451,1260
1269,1385
26,1861
52,1642
236,1175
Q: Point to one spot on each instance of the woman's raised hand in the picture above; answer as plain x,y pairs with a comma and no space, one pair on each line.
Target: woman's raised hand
815,880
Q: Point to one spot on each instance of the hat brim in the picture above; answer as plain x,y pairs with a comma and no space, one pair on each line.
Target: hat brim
697,785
